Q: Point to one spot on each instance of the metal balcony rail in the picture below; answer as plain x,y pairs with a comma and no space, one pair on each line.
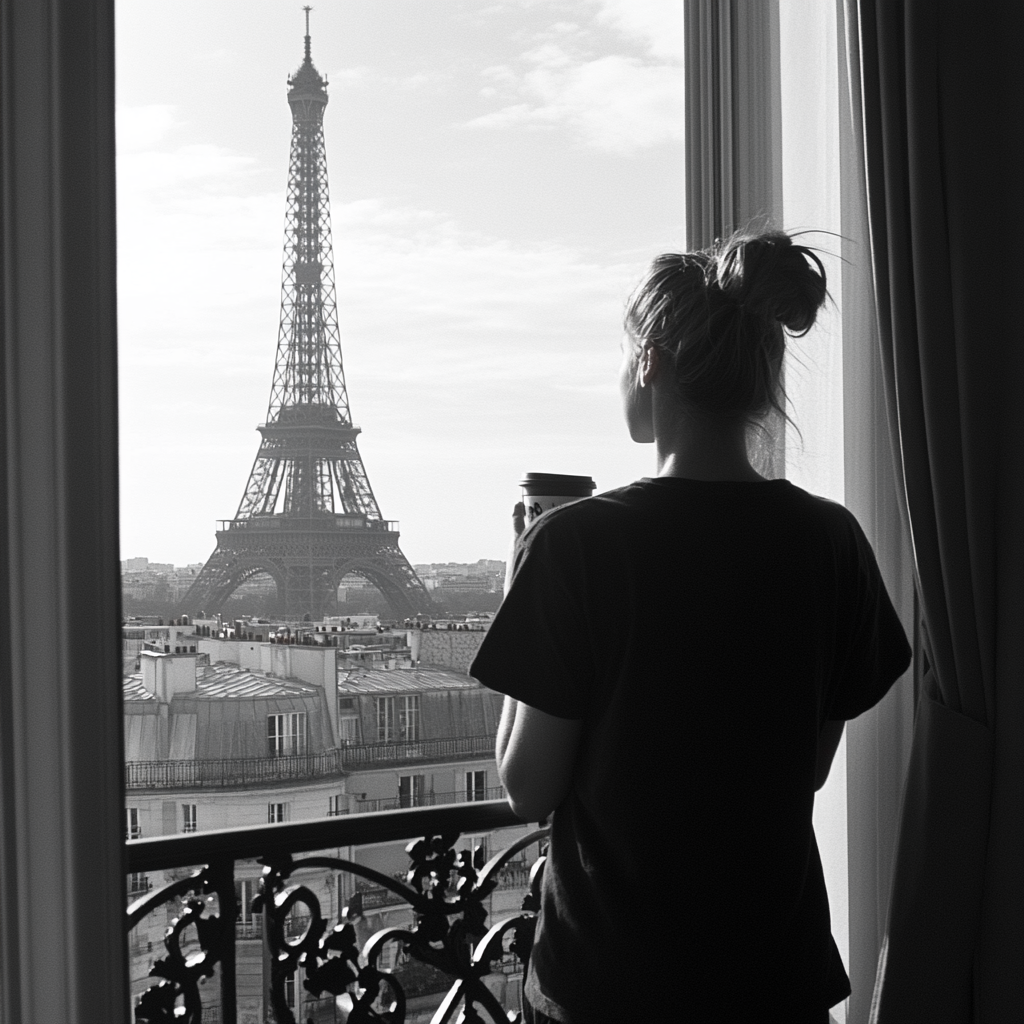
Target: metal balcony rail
312,523
461,796
450,932
245,771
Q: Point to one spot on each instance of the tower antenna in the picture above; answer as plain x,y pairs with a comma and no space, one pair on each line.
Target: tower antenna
307,10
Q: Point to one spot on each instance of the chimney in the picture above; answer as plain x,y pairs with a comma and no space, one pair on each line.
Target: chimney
164,675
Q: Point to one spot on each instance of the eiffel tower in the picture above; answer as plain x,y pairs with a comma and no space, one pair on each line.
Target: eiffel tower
308,516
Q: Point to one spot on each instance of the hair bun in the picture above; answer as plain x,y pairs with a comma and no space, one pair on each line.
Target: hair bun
767,273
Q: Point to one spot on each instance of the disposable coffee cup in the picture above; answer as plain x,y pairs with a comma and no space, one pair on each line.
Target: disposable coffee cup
541,493
545,491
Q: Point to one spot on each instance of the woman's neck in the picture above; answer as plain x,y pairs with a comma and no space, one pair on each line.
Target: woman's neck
699,449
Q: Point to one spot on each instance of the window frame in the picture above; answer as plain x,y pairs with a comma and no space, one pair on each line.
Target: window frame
133,829
476,792
289,735
386,722
409,718
245,891
416,795
138,883
189,818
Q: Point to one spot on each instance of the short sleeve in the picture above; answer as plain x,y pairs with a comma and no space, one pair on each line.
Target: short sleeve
876,651
537,648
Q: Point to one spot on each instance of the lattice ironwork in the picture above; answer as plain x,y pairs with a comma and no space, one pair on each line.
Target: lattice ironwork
308,515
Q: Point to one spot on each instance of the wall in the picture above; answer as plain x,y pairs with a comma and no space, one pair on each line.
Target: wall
437,778
453,649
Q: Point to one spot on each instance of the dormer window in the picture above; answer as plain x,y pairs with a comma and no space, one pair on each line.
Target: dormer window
286,734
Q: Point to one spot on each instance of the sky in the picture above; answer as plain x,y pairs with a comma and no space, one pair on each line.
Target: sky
500,175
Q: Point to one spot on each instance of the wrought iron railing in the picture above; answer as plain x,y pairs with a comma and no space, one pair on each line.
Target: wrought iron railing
295,523
449,934
394,803
245,771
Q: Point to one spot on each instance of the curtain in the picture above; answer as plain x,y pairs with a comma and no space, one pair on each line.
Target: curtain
878,743
941,94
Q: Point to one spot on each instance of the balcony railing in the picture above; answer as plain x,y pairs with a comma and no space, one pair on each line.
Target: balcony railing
450,933
246,771
321,523
394,803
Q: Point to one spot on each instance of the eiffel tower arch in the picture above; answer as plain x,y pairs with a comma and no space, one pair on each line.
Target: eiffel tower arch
308,516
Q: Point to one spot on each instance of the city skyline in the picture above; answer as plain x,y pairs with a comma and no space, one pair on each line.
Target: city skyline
480,276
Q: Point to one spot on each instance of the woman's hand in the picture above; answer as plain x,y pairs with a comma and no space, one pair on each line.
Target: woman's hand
518,525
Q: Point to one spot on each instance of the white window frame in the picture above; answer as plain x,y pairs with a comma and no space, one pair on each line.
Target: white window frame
481,840
415,787
473,777
286,734
409,717
337,804
278,812
133,830
350,730
398,718
245,892
190,817
138,882
386,721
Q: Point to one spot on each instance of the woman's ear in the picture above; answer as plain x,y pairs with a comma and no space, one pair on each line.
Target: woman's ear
650,361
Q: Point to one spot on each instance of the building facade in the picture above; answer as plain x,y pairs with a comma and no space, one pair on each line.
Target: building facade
224,733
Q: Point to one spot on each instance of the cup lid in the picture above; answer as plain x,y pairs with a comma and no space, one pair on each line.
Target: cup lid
558,484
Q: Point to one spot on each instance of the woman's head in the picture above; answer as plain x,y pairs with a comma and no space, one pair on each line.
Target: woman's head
717,318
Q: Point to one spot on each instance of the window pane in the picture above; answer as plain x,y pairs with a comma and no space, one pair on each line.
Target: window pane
485,232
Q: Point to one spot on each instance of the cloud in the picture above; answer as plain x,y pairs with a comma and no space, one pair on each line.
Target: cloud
613,103
657,23
616,102
420,298
425,300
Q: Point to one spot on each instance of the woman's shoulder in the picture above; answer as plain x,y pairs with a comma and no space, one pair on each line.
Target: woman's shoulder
606,507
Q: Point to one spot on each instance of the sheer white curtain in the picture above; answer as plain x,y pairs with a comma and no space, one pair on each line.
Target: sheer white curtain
834,383
814,367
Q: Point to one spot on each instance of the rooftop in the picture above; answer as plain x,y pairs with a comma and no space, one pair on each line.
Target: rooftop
223,680
370,680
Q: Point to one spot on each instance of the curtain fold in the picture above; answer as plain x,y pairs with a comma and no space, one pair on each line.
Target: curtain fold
942,96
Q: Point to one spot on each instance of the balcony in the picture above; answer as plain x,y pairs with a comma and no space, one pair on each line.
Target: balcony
393,803
299,524
447,893
254,771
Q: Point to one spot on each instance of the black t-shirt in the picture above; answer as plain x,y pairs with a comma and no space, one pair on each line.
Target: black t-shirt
703,632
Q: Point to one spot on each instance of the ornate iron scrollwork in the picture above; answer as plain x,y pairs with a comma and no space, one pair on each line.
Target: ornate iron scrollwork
446,891
215,933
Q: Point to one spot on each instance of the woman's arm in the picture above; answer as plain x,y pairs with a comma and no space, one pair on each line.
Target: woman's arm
535,754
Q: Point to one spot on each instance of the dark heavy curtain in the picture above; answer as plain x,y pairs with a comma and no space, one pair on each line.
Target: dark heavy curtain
942,102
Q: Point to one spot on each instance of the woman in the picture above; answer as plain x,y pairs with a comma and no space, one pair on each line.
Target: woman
678,658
